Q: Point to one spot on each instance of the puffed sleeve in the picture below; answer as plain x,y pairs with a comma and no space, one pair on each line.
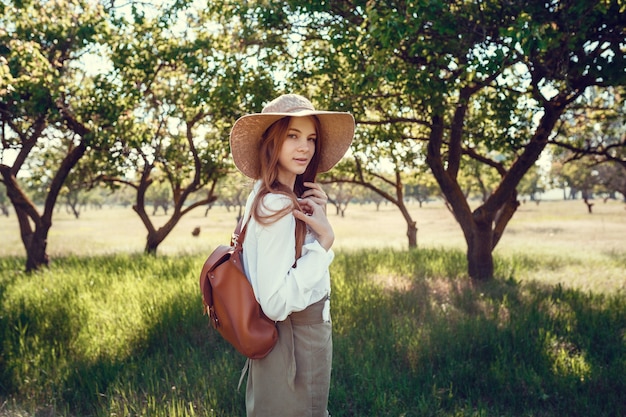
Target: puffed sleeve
269,255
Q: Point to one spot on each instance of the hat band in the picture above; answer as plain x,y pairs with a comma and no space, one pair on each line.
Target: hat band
291,110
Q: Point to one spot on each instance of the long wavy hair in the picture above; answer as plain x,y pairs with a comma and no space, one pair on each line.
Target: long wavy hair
271,144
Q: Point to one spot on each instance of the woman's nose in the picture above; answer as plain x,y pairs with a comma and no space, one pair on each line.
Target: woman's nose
303,145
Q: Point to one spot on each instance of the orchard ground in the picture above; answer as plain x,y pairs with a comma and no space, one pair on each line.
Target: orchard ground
555,228
104,333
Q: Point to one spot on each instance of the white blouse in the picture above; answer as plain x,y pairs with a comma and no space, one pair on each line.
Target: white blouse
268,258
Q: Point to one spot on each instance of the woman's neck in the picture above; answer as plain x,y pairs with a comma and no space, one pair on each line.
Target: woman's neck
288,181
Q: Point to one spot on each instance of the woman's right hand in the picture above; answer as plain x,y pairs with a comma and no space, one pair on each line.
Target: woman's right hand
314,216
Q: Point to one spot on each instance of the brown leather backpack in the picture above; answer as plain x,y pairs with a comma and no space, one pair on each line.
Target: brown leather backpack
229,301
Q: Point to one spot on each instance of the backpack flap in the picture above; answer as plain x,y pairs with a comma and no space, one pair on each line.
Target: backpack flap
220,255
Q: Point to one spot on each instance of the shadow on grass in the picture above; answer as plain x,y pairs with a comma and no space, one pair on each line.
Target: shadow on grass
450,346
180,368
174,365
413,336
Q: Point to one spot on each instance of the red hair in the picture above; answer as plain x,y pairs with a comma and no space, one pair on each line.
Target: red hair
271,144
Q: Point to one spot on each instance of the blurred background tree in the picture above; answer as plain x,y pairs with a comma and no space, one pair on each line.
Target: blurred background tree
467,95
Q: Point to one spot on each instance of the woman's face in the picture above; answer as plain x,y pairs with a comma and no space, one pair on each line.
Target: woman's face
297,150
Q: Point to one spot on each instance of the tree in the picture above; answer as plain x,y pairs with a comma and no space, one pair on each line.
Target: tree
378,163
340,194
41,167
533,184
159,195
574,176
474,80
178,87
592,138
41,90
420,186
233,191
612,177
4,202
595,127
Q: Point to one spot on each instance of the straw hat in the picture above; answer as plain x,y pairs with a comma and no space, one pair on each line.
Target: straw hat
247,132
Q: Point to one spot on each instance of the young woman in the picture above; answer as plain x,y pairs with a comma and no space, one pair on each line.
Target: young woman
287,249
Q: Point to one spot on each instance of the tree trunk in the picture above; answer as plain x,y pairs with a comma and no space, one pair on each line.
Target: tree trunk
157,236
479,261
74,207
36,255
411,233
154,239
479,251
502,218
33,227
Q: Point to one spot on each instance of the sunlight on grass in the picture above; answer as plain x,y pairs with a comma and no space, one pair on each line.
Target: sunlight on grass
413,335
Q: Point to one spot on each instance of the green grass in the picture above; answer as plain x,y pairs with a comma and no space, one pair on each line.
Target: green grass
124,335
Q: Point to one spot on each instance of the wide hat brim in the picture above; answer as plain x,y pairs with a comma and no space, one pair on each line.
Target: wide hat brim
246,135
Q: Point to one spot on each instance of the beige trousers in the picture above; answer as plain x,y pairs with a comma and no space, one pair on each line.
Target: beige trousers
293,380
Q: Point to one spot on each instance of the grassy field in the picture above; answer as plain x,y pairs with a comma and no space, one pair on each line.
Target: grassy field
553,229
108,332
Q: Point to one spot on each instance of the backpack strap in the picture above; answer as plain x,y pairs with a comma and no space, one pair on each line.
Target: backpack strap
239,235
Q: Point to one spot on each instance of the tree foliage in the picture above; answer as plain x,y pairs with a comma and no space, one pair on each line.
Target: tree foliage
176,75
42,101
136,92
475,91
486,80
